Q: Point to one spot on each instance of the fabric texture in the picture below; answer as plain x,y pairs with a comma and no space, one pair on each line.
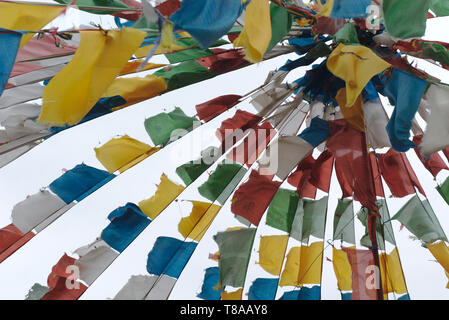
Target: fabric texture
398,173
310,219
403,20
208,291
316,133
118,152
420,220
263,289
96,260
282,209
344,221
405,92
126,224
136,288
77,181
272,250
8,236
166,192
27,214
360,260
218,180
161,127
26,17
97,62
207,21
252,198
206,111
436,136
10,42
235,250
351,159
256,34
433,163
356,65
184,74
284,154
303,265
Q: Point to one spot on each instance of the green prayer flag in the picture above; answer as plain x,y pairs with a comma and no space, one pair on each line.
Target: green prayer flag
282,209
318,51
434,218
444,190
344,221
97,3
347,35
235,251
440,7
161,126
436,52
420,221
36,292
384,229
313,219
219,180
190,171
281,23
184,74
189,54
406,19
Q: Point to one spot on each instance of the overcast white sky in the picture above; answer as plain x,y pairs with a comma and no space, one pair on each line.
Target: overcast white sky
83,223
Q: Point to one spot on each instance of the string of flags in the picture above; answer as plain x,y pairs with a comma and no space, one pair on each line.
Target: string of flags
274,156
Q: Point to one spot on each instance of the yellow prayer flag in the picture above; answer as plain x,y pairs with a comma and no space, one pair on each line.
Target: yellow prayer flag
272,252
235,295
324,9
132,66
120,153
193,226
303,265
27,17
441,252
166,192
356,65
256,33
201,227
394,273
354,114
99,59
136,89
342,269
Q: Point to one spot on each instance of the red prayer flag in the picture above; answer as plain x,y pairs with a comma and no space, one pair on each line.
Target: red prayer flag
352,162
253,144
300,178
242,120
446,153
377,176
167,8
253,197
321,173
212,108
59,270
365,275
129,15
8,236
326,25
398,173
435,163
62,292
224,60
233,36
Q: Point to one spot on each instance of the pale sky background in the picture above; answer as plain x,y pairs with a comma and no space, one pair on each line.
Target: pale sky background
83,223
